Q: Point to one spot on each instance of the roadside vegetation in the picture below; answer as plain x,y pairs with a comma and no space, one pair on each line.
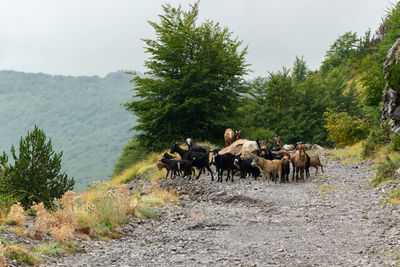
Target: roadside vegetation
94,214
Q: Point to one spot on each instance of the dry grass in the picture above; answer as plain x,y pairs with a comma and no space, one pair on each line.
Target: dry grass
103,208
3,260
140,168
352,154
62,223
16,215
349,155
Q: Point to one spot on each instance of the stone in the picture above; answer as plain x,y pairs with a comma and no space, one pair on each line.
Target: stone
316,146
397,173
146,188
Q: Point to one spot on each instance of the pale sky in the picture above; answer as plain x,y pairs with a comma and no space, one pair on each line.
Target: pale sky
95,37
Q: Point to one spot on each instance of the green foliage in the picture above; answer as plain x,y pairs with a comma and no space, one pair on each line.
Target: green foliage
372,79
83,115
51,249
195,77
299,70
146,212
393,74
34,175
376,138
385,172
22,255
345,129
292,105
370,66
252,133
395,141
340,51
132,152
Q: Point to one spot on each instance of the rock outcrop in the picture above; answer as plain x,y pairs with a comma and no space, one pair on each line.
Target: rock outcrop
391,98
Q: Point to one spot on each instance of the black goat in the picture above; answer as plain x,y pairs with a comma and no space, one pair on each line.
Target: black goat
168,156
268,154
246,167
224,162
199,160
179,165
193,147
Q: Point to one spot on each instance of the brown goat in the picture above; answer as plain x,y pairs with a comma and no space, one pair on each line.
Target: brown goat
299,162
315,162
277,143
162,165
229,137
270,167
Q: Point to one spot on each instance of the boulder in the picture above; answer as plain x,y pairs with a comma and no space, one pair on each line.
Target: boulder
391,98
316,146
288,147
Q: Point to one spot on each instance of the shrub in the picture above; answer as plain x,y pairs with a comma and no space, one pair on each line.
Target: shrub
103,208
395,141
385,172
16,215
51,249
376,138
344,129
22,255
62,223
146,212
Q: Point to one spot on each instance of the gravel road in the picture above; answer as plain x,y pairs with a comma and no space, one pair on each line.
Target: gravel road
334,219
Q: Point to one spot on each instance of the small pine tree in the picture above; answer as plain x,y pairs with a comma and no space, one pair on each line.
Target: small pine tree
35,174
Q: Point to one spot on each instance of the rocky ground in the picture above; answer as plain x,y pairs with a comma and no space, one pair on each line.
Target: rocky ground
332,219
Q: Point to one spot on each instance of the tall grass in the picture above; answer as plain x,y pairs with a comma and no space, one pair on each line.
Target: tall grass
104,207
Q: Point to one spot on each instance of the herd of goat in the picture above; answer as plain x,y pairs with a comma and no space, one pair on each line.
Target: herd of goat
250,158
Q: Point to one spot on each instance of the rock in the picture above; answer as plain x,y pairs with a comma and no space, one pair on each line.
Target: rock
288,147
391,98
316,146
217,195
397,173
146,188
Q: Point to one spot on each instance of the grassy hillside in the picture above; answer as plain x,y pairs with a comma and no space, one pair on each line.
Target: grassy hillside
82,115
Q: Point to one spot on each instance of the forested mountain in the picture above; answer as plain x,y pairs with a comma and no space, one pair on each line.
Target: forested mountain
82,115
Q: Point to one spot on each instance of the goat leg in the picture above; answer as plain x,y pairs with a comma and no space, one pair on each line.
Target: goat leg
209,169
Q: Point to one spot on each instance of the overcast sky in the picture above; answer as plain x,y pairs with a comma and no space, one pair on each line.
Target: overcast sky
94,37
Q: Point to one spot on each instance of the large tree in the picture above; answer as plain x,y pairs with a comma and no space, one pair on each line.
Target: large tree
193,82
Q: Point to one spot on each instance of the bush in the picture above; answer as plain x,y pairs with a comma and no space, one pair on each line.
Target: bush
22,255
395,142
16,215
104,207
344,129
146,212
376,138
385,172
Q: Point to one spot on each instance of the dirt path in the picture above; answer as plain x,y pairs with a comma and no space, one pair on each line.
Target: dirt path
331,220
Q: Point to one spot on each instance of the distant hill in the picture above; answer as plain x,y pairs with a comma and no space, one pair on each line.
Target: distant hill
82,115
